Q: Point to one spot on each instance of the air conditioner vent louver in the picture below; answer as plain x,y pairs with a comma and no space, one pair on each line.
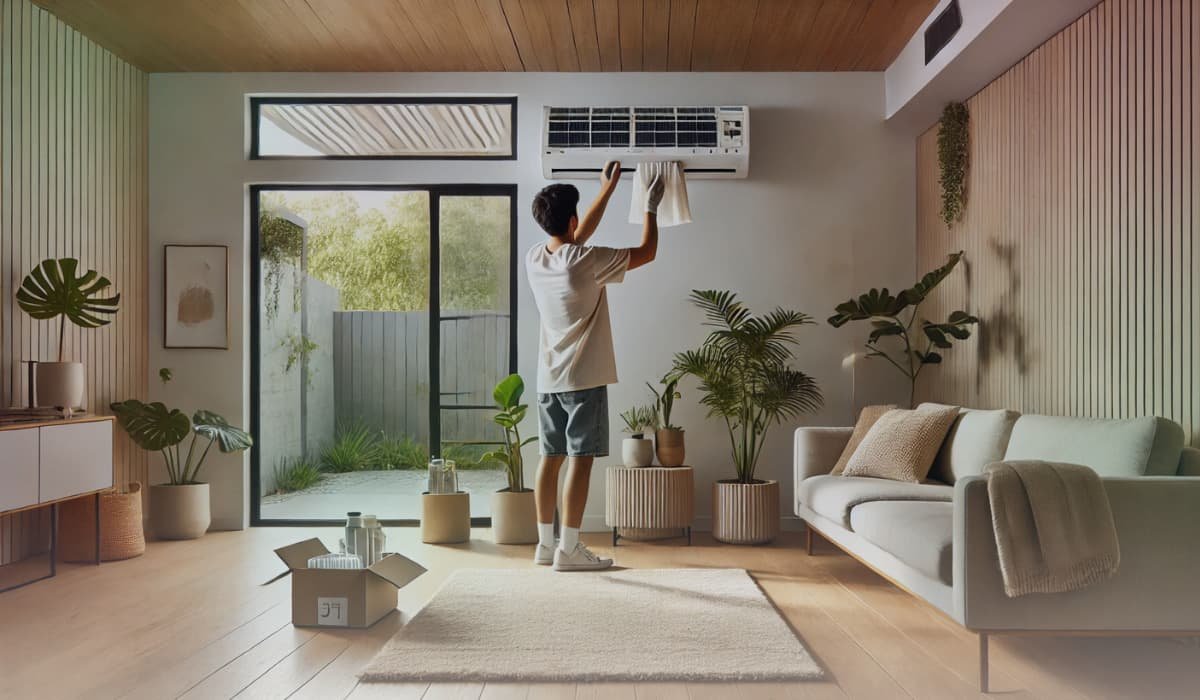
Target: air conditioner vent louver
709,141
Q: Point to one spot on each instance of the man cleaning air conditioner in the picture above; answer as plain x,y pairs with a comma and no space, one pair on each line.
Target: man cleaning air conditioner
575,355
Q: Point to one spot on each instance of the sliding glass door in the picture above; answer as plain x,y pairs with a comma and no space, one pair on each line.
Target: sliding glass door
383,317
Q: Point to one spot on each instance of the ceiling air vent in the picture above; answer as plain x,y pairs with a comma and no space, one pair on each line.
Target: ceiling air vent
941,30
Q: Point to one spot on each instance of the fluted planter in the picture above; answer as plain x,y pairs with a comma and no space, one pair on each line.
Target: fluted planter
514,517
668,446
179,511
745,513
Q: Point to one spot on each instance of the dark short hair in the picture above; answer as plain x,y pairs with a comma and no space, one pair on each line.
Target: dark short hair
554,206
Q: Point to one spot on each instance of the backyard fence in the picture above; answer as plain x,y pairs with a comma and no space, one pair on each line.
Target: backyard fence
381,366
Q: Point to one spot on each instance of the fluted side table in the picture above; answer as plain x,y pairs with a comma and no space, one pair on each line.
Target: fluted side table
649,502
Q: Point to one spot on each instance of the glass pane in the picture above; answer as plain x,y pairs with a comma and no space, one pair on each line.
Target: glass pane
385,129
343,353
475,236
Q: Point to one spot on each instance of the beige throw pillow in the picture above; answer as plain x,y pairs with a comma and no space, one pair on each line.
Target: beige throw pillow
902,444
866,418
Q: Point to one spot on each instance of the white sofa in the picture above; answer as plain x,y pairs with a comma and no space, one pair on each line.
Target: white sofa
935,539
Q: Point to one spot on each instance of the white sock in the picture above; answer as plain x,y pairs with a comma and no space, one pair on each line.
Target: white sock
570,538
546,534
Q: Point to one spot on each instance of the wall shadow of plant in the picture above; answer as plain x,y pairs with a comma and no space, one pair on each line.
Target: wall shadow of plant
1002,332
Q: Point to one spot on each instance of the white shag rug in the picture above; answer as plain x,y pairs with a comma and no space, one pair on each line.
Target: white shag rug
627,625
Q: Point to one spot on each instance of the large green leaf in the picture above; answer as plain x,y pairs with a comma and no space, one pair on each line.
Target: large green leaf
52,289
874,304
214,427
917,293
508,392
151,425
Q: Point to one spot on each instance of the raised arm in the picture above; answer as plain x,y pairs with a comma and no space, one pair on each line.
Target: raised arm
609,174
646,252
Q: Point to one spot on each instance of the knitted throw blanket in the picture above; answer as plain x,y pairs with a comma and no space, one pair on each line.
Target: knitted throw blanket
1053,525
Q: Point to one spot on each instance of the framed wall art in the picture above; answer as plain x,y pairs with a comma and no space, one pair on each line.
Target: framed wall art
196,296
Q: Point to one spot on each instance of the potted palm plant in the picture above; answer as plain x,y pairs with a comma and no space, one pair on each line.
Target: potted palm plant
668,438
53,290
745,380
636,450
514,510
179,509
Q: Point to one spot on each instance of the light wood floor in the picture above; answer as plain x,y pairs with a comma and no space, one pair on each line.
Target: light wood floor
192,619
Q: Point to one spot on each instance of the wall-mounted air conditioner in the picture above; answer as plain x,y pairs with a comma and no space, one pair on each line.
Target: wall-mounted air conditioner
711,142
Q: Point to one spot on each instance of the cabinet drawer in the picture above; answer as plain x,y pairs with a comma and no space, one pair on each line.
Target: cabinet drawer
18,468
76,458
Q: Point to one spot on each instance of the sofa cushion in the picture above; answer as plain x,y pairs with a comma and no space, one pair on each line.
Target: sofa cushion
835,496
866,418
902,444
920,534
976,439
1131,447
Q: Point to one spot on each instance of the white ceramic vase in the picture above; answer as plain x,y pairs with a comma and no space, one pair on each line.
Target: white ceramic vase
637,452
180,512
60,385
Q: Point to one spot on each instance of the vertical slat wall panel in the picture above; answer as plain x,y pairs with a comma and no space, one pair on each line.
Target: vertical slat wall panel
1081,226
73,169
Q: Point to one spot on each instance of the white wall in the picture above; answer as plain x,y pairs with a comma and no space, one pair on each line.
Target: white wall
995,34
828,210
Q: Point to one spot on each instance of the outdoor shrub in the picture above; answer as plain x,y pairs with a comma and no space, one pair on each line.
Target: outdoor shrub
296,474
399,453
469,457
352,449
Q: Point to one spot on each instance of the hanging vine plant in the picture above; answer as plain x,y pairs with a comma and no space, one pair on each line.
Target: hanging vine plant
952,157
281,242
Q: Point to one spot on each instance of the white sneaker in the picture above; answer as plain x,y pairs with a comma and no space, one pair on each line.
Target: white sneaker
579,559
543,555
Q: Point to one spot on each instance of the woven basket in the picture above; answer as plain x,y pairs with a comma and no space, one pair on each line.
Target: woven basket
121,534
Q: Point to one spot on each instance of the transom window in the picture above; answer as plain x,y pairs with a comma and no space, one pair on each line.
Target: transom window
364,128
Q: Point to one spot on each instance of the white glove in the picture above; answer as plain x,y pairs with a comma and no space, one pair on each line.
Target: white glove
654,195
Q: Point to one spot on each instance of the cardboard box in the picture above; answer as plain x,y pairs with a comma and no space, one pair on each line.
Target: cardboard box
343,597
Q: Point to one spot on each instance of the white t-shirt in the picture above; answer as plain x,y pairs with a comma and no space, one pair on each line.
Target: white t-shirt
576,348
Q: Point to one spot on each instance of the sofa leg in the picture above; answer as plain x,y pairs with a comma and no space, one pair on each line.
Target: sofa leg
808,539
983,663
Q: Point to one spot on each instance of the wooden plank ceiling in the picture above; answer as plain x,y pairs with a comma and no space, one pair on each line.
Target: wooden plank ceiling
498,35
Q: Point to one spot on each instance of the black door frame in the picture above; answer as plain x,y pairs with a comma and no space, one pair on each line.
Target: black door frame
436,192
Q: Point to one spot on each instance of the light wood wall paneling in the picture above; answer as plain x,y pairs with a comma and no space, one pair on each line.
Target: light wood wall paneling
1081,227
73,183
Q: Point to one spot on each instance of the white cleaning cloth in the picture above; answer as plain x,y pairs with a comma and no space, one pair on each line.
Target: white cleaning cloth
674,208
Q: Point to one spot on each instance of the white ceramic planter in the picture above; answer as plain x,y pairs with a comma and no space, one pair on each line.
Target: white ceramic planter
179,512
668,446
637,452
60,384
745,513
514,517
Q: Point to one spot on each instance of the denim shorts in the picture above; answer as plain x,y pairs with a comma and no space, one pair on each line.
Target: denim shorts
574,423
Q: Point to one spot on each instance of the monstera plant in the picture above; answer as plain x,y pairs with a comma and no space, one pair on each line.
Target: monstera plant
514,511
894,317
55,289
179,509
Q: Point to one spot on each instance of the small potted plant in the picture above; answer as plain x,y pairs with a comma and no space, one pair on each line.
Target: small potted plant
636,450
668,439
180,508
745,380
514,510
52,290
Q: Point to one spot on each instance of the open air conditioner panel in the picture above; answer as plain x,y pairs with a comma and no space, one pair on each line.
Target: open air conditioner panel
710,142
